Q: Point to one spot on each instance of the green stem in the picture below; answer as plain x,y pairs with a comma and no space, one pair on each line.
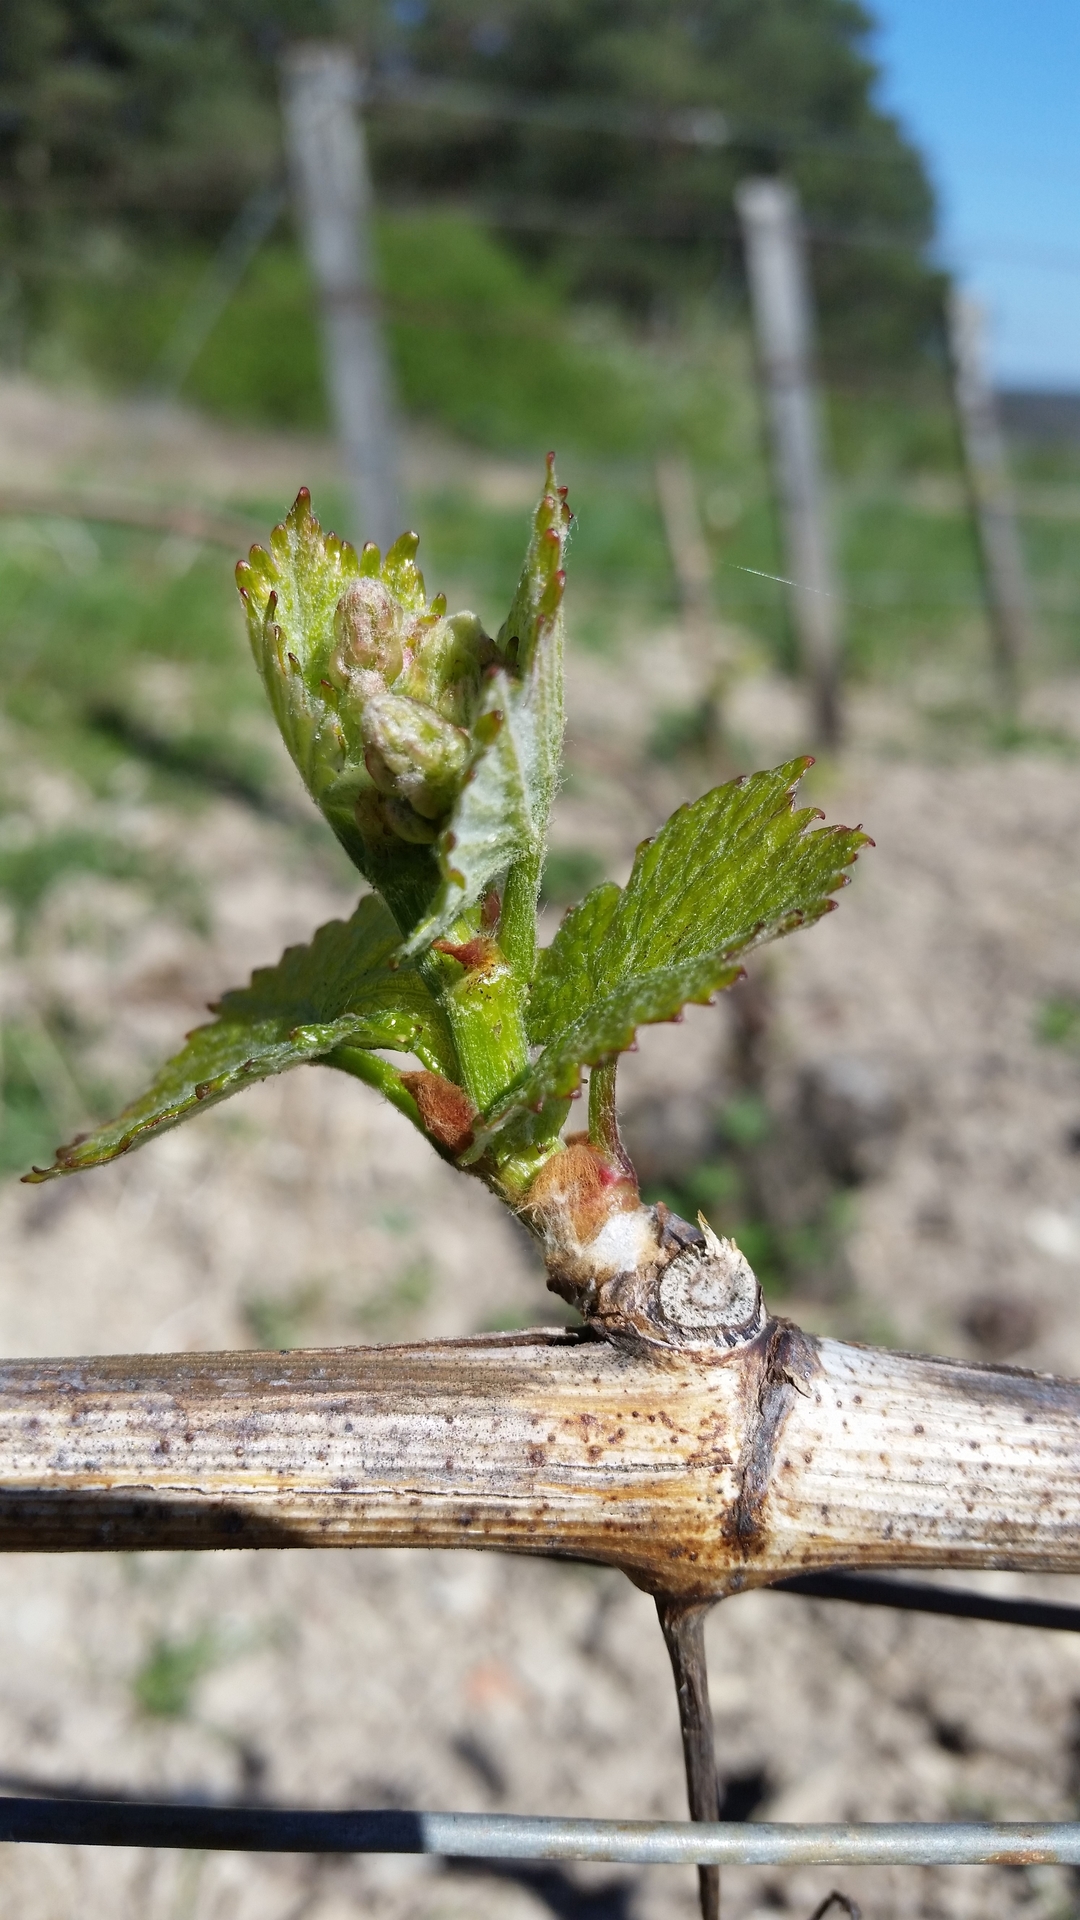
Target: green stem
517,922
378,1073
603,1115
514,1172
484,1012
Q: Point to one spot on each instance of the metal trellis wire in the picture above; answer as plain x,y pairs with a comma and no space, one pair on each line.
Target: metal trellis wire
510,1836
92,1820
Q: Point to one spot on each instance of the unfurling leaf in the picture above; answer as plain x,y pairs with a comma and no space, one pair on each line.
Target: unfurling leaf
499,821
339,991
375,692
737,867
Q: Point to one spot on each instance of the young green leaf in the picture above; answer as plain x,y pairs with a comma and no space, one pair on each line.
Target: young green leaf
499,821
531,636
735,868
339,991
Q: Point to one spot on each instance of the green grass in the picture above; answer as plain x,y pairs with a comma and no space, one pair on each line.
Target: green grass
93,621
485,347
75,636
29,871
95,627
29,1127
479,342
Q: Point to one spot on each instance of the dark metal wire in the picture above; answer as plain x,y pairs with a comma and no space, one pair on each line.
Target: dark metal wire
867,1590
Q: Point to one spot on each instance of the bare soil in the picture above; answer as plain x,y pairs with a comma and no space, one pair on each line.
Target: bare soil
306,1212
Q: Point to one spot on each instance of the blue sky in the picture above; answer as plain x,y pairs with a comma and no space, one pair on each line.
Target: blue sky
990,91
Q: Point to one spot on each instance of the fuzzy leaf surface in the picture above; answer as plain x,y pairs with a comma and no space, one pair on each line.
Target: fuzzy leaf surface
738,867
500,817
337,991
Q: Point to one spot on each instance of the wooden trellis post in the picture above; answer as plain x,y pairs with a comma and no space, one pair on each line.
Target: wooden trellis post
708,660
333,193
780,297
1008,600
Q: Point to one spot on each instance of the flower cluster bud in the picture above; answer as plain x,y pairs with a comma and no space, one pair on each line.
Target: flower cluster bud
375,689
413,755
409,684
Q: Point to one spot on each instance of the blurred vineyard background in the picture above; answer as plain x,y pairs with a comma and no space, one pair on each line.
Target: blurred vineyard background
554,266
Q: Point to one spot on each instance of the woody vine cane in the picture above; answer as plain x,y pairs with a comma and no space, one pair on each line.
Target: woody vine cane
433,751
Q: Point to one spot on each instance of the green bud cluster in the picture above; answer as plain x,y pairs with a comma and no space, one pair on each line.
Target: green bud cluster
375,689
409,689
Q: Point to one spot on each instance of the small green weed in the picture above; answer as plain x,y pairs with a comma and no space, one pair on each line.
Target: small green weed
1057,1022
43,1092
746,1121
276,1324
725,1188
405,1295
164,1685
